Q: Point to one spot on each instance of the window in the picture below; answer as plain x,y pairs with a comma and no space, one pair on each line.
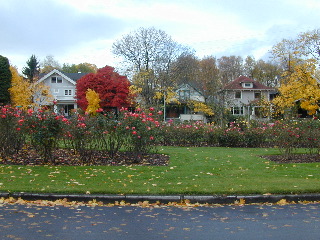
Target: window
272,96
257,95
68,92
237,110
56,90
247,85
184,94
56,79
237,94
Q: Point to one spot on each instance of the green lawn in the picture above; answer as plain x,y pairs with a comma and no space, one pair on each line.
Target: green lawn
202,170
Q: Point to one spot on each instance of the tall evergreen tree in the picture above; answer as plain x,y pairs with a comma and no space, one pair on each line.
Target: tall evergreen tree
32,69
5,80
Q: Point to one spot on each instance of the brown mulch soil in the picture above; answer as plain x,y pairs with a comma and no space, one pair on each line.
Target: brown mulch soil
97,158
294,158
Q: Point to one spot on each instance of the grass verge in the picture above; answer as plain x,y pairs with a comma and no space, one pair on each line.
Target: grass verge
194,171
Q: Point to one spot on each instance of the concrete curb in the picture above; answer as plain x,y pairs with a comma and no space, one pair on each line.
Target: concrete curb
215,199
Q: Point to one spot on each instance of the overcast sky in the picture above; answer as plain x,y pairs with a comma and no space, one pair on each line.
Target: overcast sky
76,31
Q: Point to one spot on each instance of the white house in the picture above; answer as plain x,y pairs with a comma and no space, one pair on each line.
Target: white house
242,95
63,87
185,93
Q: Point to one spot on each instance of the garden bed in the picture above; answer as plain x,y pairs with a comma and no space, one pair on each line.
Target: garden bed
93,158
294,158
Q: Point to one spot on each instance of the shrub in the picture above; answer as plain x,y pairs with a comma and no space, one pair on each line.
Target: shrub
191,134
79,136
232,137
44,129
310,135
11,137
286,136
255,137
142,128
110,133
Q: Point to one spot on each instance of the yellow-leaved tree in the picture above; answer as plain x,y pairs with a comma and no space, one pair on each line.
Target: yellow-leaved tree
201,107
300,86
169,95
134,92
20,91
28,95
93,101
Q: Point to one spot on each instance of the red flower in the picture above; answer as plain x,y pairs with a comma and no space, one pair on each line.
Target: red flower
134,132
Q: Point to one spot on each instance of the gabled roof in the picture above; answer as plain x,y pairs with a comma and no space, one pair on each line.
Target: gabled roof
71,77
189,86
237,84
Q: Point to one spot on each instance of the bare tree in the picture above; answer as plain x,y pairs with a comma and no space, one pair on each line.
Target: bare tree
230,68
209,77
148,50
309,44
185,69
49,63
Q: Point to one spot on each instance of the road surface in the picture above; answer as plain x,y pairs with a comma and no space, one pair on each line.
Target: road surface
295,221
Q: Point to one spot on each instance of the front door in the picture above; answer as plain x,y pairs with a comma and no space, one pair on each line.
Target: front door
67,109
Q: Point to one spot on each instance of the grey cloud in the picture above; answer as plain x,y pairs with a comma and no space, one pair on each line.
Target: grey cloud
44,27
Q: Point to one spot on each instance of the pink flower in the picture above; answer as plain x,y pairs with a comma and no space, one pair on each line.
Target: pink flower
134,132
151,109
160,113
151,138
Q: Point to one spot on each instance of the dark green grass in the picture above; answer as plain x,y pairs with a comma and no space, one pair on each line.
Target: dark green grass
201,170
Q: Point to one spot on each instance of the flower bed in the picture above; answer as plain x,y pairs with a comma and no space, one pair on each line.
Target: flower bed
138,133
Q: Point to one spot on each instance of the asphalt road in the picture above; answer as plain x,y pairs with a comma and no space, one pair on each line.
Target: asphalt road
294,221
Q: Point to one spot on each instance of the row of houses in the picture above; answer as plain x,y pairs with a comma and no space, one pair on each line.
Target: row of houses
239,96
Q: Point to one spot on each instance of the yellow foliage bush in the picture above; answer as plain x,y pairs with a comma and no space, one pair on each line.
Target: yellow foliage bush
93,101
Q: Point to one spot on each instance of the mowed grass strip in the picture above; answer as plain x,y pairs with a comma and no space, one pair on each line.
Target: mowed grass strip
192,170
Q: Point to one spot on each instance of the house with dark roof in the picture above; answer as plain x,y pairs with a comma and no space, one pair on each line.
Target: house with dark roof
63,87
185,93
242,97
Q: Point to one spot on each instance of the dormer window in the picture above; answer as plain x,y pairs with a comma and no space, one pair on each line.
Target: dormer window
247,85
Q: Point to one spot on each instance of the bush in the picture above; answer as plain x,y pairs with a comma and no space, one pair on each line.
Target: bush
44,129
110,132
142,128
11,138
255,137
79,136
232,137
